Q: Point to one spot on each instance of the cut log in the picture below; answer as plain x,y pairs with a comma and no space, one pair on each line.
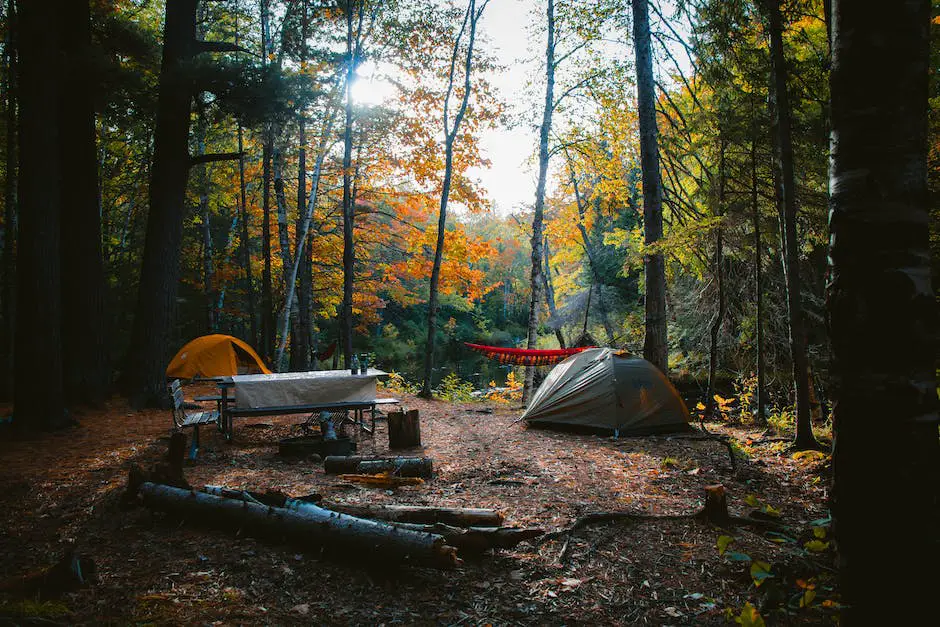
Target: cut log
398,466
404,429
475,540
68,574
455,516
716,505
312,527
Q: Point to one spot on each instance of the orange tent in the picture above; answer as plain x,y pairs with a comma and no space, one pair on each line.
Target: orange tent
215,356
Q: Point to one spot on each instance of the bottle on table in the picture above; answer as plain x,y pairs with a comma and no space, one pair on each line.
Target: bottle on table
364,365
354,366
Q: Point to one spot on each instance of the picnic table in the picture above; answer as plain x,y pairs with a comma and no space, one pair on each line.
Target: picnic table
298,393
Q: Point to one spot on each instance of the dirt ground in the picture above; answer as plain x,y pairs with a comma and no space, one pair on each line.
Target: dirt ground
64,488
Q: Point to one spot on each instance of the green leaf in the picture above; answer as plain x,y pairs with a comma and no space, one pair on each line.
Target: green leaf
779,538
734,556
821,522
722,544
759,572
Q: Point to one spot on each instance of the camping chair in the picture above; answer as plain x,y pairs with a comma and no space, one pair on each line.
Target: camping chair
182,420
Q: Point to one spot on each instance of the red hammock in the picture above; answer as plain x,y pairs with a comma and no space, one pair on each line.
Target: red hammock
526,356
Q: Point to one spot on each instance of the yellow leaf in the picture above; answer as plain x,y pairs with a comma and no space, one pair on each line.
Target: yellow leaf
819,532
816,546
749,617
723,543
808,455
807,598
700,407
770,511
752,500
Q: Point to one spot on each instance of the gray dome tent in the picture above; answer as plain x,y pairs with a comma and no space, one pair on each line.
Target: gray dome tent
601,388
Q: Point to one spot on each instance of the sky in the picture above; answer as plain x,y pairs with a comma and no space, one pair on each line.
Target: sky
511,178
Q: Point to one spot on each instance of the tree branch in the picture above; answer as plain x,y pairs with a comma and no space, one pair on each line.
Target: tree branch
219,46
215,156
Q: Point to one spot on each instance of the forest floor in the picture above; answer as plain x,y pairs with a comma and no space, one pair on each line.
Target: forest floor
66,487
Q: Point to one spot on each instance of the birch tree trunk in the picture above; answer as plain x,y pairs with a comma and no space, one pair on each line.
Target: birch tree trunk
655,346
550,291
535,280
471,17
786,203
245,240
886,454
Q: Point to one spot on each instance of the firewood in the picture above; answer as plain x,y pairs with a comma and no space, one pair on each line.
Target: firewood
398,466
455,516
310,526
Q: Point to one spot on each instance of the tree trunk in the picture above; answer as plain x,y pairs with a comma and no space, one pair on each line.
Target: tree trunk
159,280
404,429
267,288
455,516
535,279
202,185
300,331
7,257
349,258
655,346
38,386
471,16
758,284
86,365
550,291
246,242
309,525
243,207
786,203
879,295
719,318
476,540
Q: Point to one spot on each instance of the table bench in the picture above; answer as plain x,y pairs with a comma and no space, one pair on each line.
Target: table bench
358,407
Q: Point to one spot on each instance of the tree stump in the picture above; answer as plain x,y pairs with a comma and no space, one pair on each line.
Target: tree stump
716,505
404,429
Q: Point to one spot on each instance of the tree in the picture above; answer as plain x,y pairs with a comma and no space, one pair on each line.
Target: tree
160,270
655,346
786,203
451,129
535,278
86,363
7,257
38,389
886,454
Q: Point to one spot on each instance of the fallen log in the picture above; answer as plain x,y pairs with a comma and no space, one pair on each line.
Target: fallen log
398,466
384,480
454,516
68,574
313,526
476,539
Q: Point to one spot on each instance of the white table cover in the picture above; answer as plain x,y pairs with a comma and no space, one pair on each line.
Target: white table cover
304,388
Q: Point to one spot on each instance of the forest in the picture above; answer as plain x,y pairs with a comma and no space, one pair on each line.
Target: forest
742,192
